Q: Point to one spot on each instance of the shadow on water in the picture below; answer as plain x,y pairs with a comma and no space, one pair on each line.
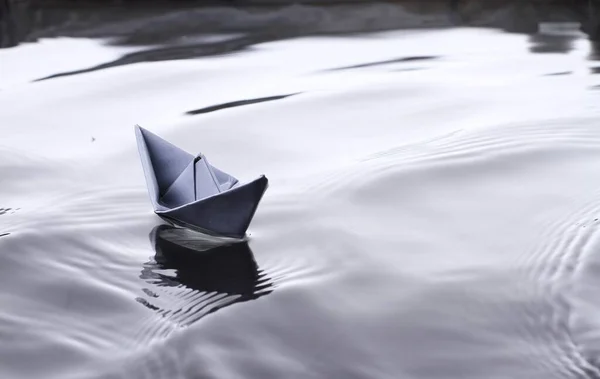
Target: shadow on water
192,276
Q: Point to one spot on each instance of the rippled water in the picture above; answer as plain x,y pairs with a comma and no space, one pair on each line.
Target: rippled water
433,210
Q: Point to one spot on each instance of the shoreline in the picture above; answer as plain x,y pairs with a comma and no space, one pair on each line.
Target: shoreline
28,20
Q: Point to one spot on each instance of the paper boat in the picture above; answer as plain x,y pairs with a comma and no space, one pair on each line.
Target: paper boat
188,191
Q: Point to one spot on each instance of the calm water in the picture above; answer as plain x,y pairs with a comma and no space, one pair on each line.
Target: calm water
433,209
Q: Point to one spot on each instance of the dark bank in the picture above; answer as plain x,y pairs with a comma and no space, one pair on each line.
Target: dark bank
135,21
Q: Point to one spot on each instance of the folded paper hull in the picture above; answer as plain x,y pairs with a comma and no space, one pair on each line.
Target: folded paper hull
188,191
227,214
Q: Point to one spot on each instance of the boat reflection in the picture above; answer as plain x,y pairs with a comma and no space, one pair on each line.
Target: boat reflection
192,276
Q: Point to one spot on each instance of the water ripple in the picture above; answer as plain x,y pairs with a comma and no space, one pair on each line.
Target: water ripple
547,271
191,277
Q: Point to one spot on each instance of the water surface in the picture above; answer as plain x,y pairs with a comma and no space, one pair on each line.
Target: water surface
433,209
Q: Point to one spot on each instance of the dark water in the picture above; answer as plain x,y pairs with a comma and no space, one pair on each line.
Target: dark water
433,209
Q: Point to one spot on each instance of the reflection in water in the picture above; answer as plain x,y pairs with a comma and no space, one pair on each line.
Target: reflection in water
5,211
595,50
238,103
556,37
386,62
560,73
543,43
172,52
10,14
192,276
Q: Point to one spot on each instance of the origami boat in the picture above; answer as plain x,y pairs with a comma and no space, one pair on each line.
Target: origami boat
187,191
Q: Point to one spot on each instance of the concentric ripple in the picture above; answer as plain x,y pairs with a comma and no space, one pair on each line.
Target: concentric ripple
191,277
